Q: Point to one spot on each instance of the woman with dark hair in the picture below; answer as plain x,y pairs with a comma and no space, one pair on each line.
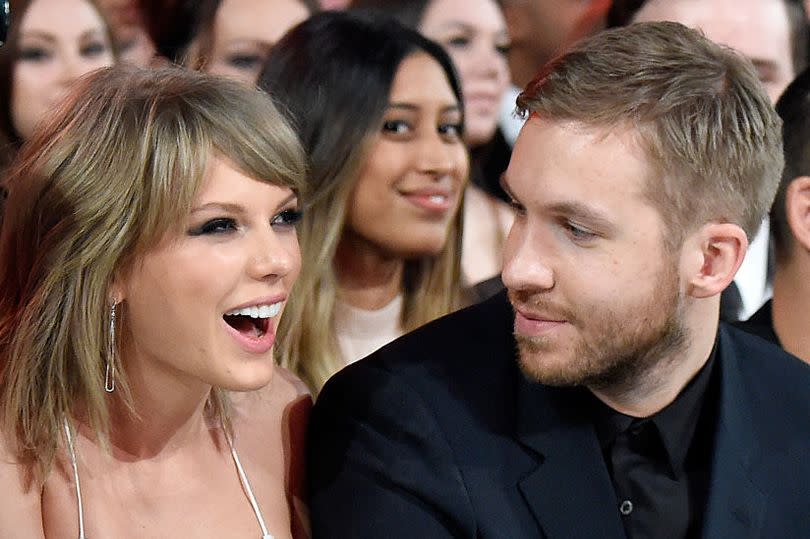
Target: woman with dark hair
473,32
51,43
224,37
147,251
379,111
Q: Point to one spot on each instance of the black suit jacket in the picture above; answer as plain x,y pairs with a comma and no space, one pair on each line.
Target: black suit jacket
439,435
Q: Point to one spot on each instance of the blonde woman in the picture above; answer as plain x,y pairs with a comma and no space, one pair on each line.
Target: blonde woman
147,250
379,111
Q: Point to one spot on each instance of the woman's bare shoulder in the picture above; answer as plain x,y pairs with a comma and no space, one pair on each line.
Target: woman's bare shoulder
21,509
277,413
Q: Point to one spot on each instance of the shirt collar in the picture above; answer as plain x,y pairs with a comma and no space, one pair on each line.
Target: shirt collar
676,423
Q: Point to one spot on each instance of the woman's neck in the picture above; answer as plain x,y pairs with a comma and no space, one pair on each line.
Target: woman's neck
368,278
169,411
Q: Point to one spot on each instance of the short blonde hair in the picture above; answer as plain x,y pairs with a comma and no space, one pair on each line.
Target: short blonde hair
700,112
115,170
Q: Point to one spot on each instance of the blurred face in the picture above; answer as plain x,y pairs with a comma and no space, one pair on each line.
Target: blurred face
203,306
758,29
134,44
544,26
474,34
410,187
244,31
597,299
60,40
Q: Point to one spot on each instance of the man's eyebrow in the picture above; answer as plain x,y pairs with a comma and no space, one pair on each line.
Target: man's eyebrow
583,212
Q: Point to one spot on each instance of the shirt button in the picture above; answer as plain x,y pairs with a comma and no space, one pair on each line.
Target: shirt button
626,507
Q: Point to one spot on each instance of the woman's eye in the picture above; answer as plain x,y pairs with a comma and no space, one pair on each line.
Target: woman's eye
397,127
33,54
504,49
451,130
244,61
288,218
458,41
220,225
93,49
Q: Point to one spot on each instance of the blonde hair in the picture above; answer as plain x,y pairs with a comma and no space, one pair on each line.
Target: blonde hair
115,171
337,124
700,112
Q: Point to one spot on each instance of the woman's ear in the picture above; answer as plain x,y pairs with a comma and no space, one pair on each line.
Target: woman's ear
713,255
797,210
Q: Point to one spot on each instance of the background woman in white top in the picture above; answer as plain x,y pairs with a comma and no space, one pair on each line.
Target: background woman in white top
379,111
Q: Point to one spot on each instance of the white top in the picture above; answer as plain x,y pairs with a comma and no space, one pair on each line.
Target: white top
242,479
360,332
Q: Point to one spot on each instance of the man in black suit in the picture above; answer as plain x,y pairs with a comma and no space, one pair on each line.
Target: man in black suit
785,320
601,397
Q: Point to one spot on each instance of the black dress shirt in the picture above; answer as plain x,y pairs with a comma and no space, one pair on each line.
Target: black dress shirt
660,465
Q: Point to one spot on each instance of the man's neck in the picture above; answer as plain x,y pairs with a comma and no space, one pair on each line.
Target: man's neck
653,390
791,296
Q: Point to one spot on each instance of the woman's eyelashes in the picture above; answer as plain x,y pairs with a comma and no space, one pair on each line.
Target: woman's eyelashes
403,129
33,54
288,218
218,225
93,49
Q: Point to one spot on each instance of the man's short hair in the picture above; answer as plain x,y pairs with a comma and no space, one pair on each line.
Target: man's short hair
794,109
710,133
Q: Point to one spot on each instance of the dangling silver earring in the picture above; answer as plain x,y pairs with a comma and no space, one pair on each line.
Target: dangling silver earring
109,376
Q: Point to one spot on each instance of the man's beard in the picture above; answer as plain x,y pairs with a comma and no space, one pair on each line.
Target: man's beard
615,348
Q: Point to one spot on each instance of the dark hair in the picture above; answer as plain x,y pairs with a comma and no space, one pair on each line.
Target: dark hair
407,12
622,13
333,73
794,109
9,139
174,24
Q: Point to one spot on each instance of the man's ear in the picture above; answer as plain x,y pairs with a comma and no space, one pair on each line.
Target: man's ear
797,209
712,256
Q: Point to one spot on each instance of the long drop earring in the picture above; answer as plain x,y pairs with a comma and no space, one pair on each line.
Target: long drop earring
109,376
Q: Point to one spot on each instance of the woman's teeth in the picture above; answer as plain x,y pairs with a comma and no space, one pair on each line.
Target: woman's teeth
258,311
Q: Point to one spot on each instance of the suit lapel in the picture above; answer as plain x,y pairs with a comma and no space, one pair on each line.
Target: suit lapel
736,506
569,493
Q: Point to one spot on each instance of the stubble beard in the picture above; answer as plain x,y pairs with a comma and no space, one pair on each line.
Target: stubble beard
621,349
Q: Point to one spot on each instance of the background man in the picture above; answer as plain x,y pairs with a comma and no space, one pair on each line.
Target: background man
650,155
785,320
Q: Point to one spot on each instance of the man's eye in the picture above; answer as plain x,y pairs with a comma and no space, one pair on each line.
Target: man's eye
397,127
288,218
220,225
578,232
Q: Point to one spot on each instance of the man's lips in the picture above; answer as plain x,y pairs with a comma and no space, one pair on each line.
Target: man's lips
529,323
